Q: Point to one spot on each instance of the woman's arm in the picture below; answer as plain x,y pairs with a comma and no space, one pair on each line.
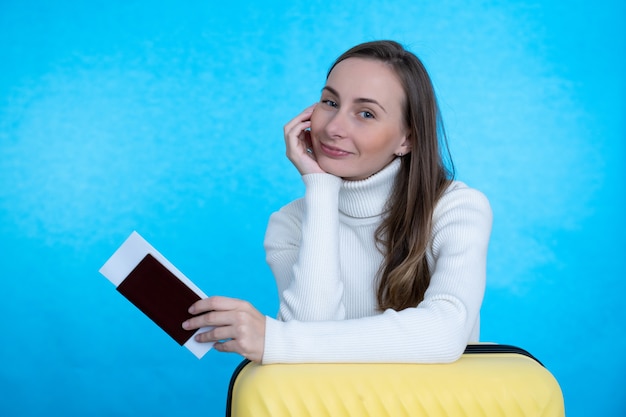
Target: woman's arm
437,330
302,248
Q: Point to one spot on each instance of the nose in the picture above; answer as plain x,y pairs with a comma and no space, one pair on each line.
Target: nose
337,125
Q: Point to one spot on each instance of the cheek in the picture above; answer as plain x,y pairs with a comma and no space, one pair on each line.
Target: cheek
317,123
383,145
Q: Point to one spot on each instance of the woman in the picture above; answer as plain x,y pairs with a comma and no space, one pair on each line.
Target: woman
384,258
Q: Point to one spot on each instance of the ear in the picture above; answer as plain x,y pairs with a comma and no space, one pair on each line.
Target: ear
405,146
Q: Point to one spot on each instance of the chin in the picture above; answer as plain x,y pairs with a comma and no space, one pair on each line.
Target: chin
334,168
343,173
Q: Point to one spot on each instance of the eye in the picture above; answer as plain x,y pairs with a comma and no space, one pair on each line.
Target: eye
367,114
329,102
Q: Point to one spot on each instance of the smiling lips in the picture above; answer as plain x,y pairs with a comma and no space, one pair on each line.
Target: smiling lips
333,152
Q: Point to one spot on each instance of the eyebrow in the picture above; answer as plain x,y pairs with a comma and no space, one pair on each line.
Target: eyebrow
357,100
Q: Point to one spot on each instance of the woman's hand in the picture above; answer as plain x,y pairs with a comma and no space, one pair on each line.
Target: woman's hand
298,143
237,326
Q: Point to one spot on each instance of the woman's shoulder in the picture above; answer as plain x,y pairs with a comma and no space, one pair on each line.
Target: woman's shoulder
284,225
462,216
459,197
294,208
458,190
291,213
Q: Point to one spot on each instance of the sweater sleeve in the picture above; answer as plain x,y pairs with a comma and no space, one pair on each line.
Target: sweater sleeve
302,249
437,330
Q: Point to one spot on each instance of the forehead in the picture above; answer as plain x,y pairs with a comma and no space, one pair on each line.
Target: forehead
366,78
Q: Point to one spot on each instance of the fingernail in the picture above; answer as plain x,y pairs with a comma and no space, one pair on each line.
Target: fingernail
185,324
191,310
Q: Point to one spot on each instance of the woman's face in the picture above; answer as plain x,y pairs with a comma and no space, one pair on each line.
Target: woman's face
358,126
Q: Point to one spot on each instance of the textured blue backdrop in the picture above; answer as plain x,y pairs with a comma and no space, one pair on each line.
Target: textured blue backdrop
166,117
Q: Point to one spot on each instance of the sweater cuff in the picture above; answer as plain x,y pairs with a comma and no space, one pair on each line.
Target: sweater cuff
272,330
281,346
322,180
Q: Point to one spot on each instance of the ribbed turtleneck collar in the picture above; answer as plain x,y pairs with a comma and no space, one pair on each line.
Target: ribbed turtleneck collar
367,198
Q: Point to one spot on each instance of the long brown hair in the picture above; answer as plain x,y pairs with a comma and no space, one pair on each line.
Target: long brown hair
405,231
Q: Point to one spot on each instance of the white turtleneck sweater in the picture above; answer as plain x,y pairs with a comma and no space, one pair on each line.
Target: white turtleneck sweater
322,252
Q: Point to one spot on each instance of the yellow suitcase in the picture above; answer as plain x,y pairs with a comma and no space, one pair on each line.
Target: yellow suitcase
488,380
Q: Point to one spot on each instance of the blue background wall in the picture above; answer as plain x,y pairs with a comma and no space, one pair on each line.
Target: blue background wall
166,117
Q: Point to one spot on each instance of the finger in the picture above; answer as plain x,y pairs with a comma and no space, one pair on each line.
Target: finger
226,346
229,323
306,139
205,337
304,116
231,346
296,139
220,311
216,334
212,318
214,303
294,130
208,306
